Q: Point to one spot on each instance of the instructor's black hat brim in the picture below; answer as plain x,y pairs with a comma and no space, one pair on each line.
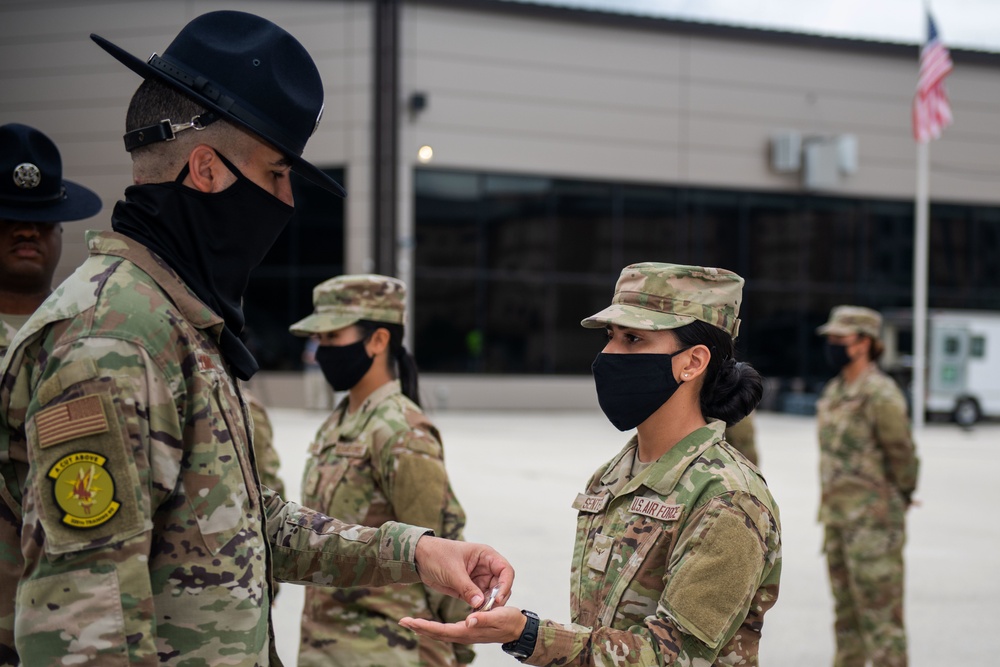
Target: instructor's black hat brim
32,188
250,72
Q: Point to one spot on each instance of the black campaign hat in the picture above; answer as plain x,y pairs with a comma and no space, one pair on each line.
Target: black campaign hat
32,188
245,69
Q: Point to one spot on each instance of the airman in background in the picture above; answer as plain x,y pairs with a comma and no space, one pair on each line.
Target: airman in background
377,458
34,202
868,474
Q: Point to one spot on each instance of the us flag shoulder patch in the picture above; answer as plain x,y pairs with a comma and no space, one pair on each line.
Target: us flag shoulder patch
70,420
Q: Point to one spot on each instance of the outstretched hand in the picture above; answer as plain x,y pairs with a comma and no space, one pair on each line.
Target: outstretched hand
463,570
501,624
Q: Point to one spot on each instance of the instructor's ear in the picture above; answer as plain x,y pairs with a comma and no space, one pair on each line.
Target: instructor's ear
206,172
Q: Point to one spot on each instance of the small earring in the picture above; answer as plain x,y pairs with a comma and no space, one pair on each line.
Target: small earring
686,374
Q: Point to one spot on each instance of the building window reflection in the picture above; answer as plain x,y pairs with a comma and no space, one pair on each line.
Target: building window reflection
507,265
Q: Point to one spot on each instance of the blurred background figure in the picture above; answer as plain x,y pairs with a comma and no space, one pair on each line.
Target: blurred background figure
743,436
319,396
34,200
868,473
376,459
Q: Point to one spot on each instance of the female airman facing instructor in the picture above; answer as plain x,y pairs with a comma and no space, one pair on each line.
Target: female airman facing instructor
678,549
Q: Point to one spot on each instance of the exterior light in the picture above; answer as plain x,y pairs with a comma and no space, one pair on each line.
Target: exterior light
425,154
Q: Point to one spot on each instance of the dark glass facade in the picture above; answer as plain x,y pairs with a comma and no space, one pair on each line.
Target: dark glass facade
506,266
309,250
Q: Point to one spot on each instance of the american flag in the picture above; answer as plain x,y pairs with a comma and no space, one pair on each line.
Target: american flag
931,109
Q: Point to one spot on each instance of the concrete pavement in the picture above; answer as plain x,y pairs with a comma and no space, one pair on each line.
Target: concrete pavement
516,474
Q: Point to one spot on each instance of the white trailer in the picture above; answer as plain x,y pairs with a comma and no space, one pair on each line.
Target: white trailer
963,362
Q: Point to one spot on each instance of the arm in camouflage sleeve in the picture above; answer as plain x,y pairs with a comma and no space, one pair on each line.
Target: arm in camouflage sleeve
721,558
892,431
311,548
86,588
417,485
717,568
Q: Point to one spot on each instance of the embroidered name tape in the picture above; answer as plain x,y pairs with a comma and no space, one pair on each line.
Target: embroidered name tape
354,449
591,504
655,509
70,420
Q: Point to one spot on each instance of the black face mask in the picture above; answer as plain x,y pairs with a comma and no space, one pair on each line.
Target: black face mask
631,387
343,366
213,240
836,356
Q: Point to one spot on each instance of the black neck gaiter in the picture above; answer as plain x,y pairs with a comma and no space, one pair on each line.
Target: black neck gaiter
212,240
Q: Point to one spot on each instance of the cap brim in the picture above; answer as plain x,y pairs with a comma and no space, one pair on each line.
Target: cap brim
308,171
315,324
832,329
634,317
79,203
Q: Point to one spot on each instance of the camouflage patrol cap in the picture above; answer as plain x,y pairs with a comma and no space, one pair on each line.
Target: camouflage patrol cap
847,320
655,296
342,301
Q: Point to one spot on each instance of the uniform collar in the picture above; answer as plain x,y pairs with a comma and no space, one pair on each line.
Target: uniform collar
192,308
353,423
664,474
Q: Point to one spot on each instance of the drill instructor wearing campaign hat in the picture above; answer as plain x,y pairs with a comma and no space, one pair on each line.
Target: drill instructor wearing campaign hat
678,547
148,536
34,202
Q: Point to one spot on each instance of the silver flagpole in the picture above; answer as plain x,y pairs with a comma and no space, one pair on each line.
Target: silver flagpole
920,242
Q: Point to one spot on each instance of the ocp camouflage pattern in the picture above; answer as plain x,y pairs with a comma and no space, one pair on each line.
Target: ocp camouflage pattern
675,566
123,359
383,462
654,296
868,473
268,461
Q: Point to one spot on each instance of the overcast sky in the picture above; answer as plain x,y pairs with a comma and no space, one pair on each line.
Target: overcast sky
971,24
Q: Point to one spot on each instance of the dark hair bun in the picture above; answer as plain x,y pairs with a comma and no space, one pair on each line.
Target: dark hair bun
736,392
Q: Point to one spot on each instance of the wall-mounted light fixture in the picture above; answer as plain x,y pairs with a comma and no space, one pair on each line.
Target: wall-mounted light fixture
425,154
416,103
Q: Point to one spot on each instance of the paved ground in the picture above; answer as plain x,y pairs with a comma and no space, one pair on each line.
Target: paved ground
517,473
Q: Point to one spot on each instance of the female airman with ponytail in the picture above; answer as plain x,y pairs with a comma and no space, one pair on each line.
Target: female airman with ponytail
678,546
377,458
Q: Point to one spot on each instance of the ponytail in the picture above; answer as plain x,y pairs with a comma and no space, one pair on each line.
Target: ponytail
402,365
732,389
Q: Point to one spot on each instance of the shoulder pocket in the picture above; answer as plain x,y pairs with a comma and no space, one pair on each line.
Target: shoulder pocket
86,485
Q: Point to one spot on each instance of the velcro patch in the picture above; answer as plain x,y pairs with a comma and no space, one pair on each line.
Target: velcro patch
655,509
70,420
590,503
84,490
352,449
600,553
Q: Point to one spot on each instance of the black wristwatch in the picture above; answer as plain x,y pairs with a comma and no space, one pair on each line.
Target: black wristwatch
524,645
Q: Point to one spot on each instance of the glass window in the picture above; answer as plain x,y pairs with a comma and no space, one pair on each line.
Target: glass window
308,251
508,264
977,347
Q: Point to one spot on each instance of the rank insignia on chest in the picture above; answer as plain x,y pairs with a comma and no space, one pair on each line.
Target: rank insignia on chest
84,490
600,552
655,509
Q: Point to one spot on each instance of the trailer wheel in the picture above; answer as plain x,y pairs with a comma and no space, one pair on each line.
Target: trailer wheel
966,412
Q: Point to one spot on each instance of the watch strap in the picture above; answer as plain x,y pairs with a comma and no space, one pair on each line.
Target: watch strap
524,646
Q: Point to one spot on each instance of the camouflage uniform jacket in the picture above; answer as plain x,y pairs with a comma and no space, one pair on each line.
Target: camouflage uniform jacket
384,462
147,537
868,463
675,566
268,462
7,333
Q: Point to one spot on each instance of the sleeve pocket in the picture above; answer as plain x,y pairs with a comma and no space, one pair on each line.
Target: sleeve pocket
76,614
